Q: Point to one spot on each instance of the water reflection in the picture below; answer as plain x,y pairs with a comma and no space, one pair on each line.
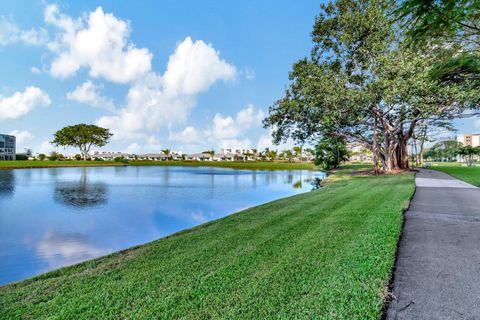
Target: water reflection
7,183
81,193
126,206
61,249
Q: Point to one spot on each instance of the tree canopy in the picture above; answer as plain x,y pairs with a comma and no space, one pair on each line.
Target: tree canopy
364,84
82,136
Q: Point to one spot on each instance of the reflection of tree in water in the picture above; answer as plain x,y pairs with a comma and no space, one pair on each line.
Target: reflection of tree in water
82,193
298,184
7,183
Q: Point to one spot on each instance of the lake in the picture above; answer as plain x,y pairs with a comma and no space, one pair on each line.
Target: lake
55,217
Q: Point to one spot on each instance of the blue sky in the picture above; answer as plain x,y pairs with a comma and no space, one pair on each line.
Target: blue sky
188,75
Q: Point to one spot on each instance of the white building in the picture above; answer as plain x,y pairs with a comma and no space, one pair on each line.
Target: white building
469,139
7,147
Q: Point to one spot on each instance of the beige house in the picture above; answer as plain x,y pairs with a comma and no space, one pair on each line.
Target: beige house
469,139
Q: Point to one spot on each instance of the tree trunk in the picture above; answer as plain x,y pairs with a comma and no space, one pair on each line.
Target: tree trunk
375,147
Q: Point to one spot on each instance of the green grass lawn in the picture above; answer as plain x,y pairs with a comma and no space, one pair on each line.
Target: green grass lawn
455,169
17,164
325,254
254,165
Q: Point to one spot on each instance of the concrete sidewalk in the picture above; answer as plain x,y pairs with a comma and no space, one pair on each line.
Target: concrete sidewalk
437,274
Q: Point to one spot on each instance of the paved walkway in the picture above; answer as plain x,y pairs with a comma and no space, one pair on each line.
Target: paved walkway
438,268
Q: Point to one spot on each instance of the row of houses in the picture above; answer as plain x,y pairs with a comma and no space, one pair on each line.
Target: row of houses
249,155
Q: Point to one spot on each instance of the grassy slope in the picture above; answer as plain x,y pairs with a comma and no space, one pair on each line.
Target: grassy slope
468,174
325,254
224,164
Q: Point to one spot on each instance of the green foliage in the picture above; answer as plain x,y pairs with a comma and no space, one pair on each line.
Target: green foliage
325,254
364,84
78,157
21,157
451,24
331,152
54,156
42,156
444,150
120,160
82,136
469,154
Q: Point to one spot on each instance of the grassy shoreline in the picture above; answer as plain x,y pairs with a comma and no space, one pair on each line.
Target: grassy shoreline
326,254
256,165
467,174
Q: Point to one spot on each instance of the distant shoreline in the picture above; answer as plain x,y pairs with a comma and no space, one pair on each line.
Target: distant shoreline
247,165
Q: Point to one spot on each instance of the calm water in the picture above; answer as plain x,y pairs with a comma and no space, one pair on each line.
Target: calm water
55,217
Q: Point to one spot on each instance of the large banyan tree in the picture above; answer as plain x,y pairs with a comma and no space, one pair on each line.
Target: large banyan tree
363,84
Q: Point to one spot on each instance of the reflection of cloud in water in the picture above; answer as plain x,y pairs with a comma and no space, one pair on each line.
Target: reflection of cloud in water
61,249
198,217
81,193
7,183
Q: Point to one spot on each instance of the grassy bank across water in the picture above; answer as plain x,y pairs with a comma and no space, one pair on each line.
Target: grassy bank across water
467,174
325,254
253,165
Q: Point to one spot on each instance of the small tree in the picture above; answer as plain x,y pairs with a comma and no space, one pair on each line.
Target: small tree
167,153
330,152
468,153
42,156
54,155
78,157
82,136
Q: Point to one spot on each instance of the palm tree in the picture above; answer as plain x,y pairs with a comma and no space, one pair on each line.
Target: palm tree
298,151
289,155
272,154
167,153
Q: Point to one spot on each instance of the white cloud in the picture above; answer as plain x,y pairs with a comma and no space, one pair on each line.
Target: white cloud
477,124
227,128
155,102
46,147
11,33
89,93
225,131
189,135
132,148
99,43
249,73
20,103
35,70
194,67
21,136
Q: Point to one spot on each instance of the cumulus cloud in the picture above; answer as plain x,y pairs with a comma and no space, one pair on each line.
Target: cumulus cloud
194,67
98,42
132,148
224,131
89,93
227,128
35,70
20,103
157,102
189,135
477,124
11,33
21,136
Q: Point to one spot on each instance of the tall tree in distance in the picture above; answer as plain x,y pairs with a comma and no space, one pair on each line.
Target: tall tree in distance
82,136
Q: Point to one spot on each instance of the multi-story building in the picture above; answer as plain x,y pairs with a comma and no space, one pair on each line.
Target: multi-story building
7,147
469,139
